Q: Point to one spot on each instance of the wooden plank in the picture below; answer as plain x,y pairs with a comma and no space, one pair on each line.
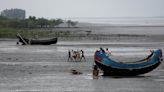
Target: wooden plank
22,39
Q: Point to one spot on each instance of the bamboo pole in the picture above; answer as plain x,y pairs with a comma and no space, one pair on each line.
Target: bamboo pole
22,39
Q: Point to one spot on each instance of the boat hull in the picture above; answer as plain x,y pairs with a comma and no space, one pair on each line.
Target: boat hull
26,41
109,71
113,68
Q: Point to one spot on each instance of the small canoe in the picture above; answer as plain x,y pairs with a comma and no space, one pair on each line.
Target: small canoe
26,41
113,68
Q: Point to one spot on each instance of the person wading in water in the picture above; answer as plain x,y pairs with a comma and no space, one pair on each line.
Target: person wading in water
95,72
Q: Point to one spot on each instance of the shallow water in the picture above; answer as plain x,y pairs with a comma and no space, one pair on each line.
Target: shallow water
45,68
139,30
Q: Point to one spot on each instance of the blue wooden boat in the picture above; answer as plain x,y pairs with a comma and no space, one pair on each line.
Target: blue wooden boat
113,68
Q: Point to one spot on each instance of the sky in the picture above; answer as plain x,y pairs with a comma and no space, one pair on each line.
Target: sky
87,8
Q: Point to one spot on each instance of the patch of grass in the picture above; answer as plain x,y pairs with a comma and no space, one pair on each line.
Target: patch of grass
31,33
8,32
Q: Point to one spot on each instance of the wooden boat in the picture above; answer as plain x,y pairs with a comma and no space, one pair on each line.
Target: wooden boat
113,68
26,41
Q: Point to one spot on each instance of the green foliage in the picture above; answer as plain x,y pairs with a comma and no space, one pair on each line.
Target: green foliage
12,21
6,21
42,22
8,32
71,23
55,22
31,33
31,22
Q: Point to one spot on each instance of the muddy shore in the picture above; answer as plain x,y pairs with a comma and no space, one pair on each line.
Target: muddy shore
45,68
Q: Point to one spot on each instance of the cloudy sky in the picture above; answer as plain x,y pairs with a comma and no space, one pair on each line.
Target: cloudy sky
87,8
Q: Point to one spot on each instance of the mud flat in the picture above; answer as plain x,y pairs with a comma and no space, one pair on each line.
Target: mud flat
45,68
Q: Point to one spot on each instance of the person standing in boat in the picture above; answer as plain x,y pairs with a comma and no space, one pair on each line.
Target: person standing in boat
102,49
82,55
108,53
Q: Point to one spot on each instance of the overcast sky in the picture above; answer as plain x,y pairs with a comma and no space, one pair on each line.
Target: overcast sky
87,8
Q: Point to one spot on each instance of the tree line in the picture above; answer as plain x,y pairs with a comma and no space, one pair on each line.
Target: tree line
33,22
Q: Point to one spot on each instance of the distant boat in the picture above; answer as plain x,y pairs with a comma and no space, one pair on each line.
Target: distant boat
113,68
26,41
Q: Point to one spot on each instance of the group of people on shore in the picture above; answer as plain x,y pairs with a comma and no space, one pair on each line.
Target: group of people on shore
76,55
